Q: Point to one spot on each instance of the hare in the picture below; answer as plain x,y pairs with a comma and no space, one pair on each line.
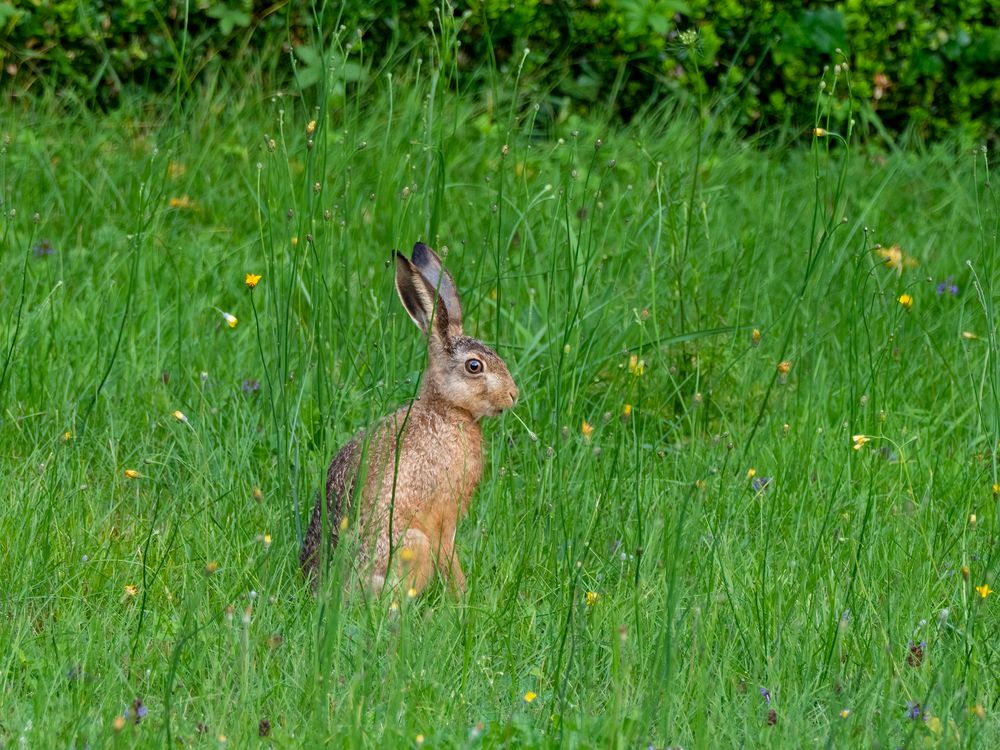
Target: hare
414,473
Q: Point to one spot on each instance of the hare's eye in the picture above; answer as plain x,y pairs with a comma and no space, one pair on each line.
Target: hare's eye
473,366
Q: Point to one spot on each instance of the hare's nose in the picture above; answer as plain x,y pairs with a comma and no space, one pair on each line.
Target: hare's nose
513,396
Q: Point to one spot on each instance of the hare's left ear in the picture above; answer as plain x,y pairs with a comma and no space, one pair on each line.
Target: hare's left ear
429,265
421,301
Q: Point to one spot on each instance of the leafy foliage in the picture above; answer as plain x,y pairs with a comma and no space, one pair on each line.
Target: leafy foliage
926,66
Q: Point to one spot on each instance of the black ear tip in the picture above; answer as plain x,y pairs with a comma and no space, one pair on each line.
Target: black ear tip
421,252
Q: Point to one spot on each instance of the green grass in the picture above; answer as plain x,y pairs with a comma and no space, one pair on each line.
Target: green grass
570,259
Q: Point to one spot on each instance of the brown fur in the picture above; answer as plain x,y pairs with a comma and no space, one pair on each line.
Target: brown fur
409,508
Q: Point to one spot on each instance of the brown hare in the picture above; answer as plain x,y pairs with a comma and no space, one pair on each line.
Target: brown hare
414,473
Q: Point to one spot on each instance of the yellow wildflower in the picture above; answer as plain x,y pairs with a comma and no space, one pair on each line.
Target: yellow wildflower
845,713
132,474
179,416
996,488
258,494
592,597
183,202
267,541
211,567
119,723
311,127
231,320
295,241
965,572
636,366
984,590
587,429
751,473
419,739
906,300
411,593
859,441
969,336
344,523
819,132
627,410
175,169
978,711
784,367
252,280
755,337
530,696
895,259
131,590
67,436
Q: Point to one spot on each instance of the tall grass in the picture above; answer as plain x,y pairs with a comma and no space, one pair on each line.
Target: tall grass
708,563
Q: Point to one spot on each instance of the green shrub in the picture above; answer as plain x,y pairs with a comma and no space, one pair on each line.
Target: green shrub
925,67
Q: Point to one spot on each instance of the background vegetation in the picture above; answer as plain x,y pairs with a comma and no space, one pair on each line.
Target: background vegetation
926,69
753,498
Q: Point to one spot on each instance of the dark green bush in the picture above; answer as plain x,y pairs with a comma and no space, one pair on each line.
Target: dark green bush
930,67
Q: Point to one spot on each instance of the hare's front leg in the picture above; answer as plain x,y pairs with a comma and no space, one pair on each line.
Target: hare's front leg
416,561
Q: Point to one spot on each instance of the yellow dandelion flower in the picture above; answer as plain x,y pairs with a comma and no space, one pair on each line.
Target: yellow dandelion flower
587,429
267,541
311,127
67,436
132,474
119,723
131,590
636,366
755,337
252,280
972,519
257,494
751,473
984,590
411,593
295,241
996,489
211,567
179,416
231,320
859,441
906,300
784,367
344,523
592,597
530,696
965,572
969,336
819,132
845,713
406,554
627,410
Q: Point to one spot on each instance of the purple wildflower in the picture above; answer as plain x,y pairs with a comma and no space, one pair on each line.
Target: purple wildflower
761,484
766,695
251,385
947,286
913,710
137,712
43,248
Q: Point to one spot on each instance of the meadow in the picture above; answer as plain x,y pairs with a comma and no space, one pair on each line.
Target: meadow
747,497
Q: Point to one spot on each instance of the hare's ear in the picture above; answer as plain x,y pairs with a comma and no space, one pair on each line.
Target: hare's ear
420,300
429,265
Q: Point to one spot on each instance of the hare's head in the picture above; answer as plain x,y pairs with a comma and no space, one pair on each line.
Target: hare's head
461,372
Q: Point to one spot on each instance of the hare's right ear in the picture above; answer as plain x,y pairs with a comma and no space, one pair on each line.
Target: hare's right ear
420,300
